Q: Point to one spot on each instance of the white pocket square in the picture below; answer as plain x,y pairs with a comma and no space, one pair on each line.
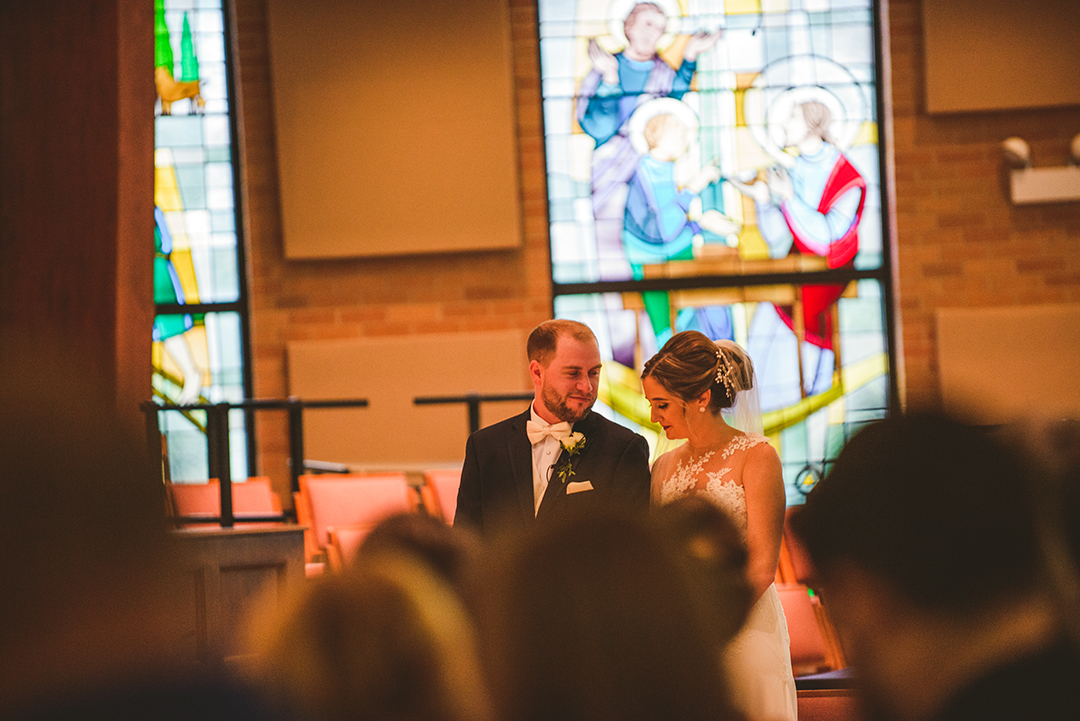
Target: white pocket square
578,487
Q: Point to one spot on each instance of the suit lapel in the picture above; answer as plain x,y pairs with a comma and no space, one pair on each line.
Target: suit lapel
519,451
556,489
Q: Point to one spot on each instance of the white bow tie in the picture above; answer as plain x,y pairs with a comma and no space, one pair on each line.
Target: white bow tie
537,432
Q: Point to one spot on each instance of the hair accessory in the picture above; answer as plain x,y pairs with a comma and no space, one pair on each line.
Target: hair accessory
725,372
736,371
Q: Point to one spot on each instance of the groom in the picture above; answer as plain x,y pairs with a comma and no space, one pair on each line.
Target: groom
558,458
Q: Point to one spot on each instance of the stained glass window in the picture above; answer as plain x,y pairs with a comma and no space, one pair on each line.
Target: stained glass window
198,332
715,165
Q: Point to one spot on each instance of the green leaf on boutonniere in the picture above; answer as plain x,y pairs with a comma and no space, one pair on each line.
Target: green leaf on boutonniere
572,444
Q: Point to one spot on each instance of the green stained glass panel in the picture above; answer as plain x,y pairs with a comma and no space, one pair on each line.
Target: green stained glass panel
198,357
811,405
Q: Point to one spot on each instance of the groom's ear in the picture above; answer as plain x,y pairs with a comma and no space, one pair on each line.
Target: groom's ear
536,371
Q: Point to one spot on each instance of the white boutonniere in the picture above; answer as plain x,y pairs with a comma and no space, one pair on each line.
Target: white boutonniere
572,444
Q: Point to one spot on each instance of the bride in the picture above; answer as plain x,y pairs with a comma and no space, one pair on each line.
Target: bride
706,393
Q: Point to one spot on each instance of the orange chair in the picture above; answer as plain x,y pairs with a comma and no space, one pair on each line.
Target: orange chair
796,568
439,493
256,496
344,545
344,501
813,649
801,567
253,497
785,572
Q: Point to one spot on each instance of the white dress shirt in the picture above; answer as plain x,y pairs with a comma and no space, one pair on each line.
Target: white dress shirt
544,455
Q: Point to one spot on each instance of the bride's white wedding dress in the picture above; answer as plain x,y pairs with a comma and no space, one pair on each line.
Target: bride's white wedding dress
758,660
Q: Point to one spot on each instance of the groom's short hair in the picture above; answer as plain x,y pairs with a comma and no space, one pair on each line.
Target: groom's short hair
544,338
938,509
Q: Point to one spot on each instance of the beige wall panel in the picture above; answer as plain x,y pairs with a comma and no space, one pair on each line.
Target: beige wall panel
1000,364
1001,54
395,126
392,433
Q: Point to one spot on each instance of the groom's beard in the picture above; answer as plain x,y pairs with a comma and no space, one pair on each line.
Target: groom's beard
557,405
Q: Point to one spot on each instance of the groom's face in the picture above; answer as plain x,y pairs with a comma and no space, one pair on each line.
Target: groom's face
567,386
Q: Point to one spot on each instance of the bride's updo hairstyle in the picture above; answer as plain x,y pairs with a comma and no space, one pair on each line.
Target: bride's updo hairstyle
690,364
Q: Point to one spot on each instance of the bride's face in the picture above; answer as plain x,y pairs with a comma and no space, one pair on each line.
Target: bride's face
667,410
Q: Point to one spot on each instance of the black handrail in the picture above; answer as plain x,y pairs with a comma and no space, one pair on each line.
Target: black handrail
473,400
217,437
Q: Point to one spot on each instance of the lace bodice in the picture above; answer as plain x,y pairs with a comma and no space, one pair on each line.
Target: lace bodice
758,660
716,476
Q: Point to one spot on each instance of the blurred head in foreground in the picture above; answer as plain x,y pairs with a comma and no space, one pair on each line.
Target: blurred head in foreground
385,640
449,552
715,555
597,618
926,547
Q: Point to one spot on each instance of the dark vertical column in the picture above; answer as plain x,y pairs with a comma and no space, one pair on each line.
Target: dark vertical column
76,192
217,440
296,441
153,439
82,519
473,401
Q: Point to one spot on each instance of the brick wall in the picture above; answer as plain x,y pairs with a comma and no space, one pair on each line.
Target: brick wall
959,241
438,293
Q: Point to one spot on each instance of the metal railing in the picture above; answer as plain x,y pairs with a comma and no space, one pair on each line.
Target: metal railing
217,438
473,401
217,442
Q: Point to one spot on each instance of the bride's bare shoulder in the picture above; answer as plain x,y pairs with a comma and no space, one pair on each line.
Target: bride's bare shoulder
762,459
760,444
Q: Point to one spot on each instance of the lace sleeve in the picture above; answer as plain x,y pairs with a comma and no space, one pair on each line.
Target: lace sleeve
661,471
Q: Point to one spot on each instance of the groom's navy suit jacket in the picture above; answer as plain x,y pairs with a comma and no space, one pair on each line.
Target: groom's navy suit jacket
496,489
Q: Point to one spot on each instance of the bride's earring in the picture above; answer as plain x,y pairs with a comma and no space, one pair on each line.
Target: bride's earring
701,409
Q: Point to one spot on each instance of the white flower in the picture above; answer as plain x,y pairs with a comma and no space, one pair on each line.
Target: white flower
573,442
